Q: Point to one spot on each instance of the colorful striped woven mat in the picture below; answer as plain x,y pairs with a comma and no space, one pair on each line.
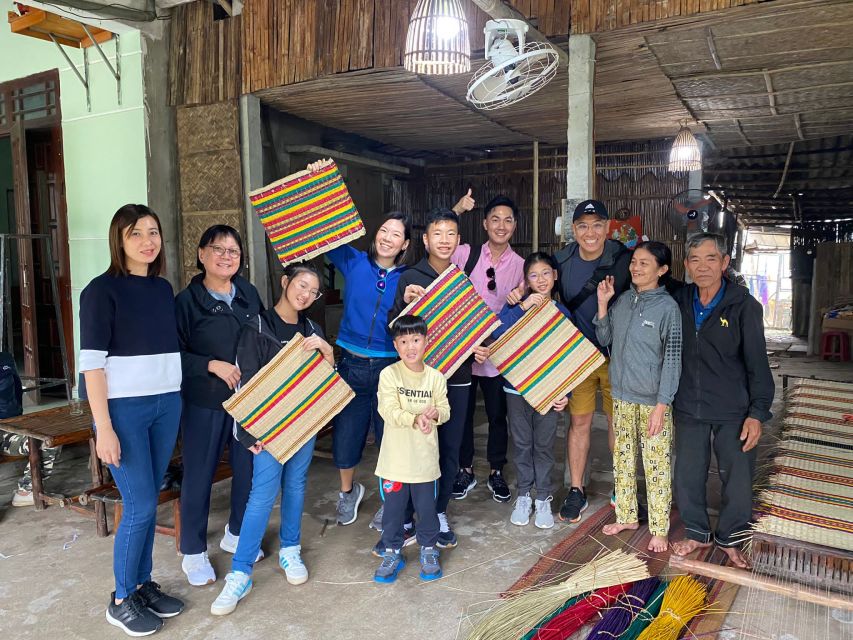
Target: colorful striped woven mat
457,318
290,399
544,356
307,213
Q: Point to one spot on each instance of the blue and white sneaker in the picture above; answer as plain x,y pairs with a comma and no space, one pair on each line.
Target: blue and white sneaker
430,566
290,559
237,586
392,564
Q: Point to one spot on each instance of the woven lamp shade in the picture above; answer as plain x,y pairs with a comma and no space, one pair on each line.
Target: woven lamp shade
685,154
437,40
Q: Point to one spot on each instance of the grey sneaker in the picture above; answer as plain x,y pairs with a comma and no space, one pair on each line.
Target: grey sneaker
348,504
430,566
392,564
376,523
544,516
521,512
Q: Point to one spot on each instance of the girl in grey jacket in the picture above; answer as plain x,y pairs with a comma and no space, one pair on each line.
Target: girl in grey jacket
643,329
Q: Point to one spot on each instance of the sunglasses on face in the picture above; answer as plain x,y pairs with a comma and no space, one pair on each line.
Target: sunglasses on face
380,284
490,274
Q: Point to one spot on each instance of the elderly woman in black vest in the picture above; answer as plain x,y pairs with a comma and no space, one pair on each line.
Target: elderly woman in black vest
210,313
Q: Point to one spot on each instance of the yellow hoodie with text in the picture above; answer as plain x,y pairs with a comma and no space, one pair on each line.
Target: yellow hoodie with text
407,454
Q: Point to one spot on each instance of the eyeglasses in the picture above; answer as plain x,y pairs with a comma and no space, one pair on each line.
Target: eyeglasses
222,251
490,274
545,274
380,284
598,227
316,293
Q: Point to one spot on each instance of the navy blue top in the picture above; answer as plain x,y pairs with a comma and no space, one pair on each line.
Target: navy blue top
580,273
367,300
700,313
127,328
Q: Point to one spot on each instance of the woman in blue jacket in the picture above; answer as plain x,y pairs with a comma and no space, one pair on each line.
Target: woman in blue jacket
366,346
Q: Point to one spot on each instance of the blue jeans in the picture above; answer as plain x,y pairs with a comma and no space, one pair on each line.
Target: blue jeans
147,428
268,478
353,423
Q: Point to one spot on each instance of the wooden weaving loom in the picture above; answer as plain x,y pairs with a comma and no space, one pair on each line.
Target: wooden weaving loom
803,536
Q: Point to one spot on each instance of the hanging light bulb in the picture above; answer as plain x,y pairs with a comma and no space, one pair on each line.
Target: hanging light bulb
437,40
685,154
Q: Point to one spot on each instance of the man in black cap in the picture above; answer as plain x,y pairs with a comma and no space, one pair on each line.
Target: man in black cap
583,264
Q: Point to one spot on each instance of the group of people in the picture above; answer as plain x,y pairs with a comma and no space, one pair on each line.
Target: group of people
685,366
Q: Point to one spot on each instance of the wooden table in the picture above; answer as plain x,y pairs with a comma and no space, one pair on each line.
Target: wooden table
54,427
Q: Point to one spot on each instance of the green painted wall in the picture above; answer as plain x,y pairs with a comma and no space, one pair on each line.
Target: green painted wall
104,149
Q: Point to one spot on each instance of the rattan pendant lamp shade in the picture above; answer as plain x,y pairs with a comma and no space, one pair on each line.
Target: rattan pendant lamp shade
685,154
437,41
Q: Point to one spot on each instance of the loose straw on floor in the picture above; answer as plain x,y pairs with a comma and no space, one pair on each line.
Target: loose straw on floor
519,613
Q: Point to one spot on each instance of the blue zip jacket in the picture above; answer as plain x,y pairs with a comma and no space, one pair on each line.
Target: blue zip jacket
364,329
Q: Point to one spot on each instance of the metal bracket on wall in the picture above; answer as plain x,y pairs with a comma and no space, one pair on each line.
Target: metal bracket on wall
116,71
82,77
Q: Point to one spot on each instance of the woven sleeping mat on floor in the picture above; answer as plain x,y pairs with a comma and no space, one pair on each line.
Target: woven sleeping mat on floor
457,318
809,496
290,399
544,356
307,213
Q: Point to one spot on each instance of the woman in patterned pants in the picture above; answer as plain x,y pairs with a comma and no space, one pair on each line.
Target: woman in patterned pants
643,328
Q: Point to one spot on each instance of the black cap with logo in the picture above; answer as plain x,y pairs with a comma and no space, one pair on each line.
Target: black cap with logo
590,207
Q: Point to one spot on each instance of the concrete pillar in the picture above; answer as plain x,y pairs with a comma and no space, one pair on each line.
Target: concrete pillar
580,175
252,164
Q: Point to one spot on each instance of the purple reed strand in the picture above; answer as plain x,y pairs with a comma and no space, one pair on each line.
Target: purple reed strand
618,617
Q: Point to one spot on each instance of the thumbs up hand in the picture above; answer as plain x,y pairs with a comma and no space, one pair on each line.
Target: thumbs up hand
466,203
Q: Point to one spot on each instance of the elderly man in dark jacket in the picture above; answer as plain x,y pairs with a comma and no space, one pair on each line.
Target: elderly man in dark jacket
726,390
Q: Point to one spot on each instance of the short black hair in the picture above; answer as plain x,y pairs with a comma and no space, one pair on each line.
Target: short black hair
408,325
440,214
662,255
500,201
218,231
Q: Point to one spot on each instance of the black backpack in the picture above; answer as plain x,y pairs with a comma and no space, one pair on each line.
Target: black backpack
11,390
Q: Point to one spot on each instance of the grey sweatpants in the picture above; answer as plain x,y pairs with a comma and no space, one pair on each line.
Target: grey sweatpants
533,445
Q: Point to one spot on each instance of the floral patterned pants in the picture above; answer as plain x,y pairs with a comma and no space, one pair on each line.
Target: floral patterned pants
630,423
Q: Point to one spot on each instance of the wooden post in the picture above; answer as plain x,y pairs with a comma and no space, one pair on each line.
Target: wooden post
535,232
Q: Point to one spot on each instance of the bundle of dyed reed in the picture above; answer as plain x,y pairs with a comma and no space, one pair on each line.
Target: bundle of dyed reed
683,601
627,607
575,617
644,618
523,611
568,604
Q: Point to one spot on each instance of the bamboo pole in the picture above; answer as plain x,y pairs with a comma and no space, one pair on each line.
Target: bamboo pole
747,579
535,234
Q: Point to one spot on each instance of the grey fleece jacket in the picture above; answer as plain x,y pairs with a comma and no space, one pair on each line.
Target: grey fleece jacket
644,331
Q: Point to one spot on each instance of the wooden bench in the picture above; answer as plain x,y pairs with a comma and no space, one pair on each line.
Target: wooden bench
109,494
57,426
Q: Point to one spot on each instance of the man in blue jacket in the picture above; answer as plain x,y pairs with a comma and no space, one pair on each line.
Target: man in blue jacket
725,391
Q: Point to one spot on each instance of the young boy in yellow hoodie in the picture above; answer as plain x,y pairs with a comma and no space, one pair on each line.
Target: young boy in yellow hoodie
412,402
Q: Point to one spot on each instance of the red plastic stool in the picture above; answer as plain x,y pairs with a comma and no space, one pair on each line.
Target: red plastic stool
835,344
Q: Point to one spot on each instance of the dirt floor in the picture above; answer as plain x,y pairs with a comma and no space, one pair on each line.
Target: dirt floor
55,574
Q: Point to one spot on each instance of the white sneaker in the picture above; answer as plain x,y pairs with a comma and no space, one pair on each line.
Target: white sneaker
23,498
443,526
229,544
290,560
544,517
237,586
198,569
521,512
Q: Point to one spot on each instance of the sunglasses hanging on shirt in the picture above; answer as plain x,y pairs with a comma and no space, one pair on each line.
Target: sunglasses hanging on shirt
490,274
380,284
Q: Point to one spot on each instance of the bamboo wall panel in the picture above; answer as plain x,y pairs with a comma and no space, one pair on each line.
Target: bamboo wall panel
833,281
596,16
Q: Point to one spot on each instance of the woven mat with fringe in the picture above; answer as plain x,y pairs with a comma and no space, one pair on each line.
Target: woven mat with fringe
457,319
809,495
586,542
307,213
544,356
290,399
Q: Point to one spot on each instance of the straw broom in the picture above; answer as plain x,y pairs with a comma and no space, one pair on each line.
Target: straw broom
520,613
682,601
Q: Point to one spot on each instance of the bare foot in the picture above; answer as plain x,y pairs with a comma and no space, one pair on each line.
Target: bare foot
616,527
686,547
658,544
737,558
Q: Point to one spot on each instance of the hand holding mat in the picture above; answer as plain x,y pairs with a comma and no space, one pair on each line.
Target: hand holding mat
290,399
307,213
544,356
457,319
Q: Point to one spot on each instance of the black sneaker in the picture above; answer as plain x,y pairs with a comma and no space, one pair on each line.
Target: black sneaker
160,604
574,505
410,536
465,481
132,616
500,490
